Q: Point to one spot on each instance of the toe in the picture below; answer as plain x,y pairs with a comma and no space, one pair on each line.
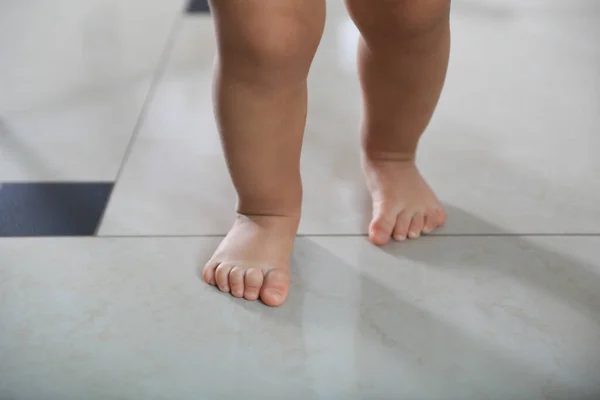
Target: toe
381,228
222,277
275,289
208,273
431,222
236,281
253,281
402,225
416,226
441,214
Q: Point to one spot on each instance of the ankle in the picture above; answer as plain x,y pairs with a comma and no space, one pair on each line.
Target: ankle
278,200
286,225
270,210
378,157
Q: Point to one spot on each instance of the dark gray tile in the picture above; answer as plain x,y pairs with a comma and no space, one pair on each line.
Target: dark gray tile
52,209
198,6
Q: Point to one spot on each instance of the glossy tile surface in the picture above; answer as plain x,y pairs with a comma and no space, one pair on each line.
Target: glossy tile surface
442,318
74,76
513,139
52,209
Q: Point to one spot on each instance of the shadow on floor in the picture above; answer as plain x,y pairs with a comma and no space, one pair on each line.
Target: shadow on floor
336,297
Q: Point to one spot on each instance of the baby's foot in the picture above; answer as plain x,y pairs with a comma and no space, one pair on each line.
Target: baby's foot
404,206
254,259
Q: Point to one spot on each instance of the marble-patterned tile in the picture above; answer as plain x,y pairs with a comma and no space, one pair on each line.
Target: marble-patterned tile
441,318
74,79
512,141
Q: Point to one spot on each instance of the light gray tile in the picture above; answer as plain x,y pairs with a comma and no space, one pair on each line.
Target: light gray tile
167,179
74,78
83,139
513,140
55,51
441,318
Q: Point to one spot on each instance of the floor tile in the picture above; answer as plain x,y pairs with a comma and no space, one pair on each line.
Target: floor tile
198,6
68,48
75,76
441,318
83,139
512,140
52,209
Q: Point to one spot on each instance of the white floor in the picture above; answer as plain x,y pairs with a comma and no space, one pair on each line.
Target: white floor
503,304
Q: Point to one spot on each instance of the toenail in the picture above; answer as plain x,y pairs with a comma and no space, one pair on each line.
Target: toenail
400,238
414,235
275,293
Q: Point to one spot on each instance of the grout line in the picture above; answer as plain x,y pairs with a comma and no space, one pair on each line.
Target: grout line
552,234
365,235
163,61
442,235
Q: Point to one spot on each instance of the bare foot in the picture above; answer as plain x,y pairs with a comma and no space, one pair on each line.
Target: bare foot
253,261
404,206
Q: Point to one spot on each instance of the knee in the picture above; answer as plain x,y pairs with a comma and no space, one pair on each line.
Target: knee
273,47
395,20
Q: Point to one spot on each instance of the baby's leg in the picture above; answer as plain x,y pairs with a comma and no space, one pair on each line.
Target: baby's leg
403,58
265,49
